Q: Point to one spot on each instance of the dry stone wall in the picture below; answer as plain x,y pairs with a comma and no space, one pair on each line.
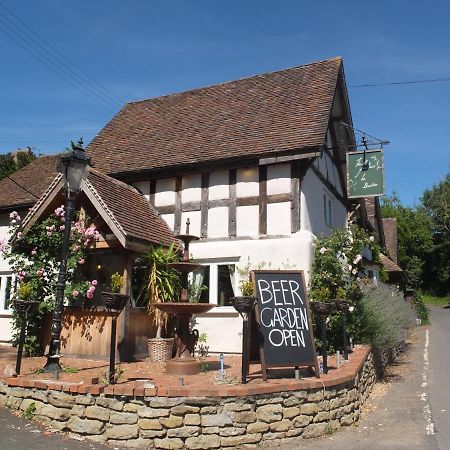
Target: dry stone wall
194,422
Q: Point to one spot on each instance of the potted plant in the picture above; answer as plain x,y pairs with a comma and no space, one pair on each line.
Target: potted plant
114,300
163,285
244,303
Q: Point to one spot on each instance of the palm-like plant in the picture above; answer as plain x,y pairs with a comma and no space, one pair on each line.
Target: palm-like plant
163,282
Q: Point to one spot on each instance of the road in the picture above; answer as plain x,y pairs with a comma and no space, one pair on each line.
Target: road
409,410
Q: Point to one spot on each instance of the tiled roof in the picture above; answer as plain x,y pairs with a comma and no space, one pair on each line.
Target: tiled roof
25,186
129,209
258,116
390,235
389,265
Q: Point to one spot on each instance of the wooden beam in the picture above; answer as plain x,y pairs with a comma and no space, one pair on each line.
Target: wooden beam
287,158
232,204
177,212
262,227
295,197
328,185
152,192
204,205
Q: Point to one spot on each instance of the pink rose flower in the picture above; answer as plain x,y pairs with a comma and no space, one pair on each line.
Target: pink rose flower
75,293
94,282
81,261
90,295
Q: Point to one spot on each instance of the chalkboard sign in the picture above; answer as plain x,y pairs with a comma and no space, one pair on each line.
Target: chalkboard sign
284,320
365,174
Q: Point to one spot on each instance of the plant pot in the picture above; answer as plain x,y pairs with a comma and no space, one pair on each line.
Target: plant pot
243,304
114,302
323,308
160,349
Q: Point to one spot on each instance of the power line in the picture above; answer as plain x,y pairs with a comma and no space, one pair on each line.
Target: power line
51,61
26,190
397,83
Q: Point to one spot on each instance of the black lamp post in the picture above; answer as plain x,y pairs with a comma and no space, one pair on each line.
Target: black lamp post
74,166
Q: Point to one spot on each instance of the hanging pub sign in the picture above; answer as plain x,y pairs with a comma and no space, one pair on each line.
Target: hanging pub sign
365,173
283,318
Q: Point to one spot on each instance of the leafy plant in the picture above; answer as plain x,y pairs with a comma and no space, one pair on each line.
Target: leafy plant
29,412
163,283
70,370
117,283
246,283
25,291
203,351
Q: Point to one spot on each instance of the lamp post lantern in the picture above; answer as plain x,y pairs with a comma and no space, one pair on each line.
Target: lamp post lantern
74,166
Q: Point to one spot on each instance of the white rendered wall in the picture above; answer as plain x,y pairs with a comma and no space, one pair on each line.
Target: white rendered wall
165,192
5,316
144,188
312,214
294,251
218,222
219,185
279,179
247,182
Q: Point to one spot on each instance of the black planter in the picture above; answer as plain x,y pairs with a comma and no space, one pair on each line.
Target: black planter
115,302
243,304
323,308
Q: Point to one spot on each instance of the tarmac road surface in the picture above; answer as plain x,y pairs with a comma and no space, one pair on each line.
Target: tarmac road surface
410,412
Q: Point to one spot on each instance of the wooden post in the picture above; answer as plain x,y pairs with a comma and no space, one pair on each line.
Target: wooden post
324,345
112,351
23,325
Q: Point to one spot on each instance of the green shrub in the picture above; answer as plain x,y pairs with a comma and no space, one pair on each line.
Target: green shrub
385,316
420,307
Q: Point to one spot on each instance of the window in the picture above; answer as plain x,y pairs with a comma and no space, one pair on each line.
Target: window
328,209
6,283
214,283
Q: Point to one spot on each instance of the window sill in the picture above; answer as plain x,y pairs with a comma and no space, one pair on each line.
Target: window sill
5,313
220,311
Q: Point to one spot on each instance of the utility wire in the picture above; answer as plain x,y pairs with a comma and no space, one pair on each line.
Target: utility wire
52,62
397,83
26,190
63,57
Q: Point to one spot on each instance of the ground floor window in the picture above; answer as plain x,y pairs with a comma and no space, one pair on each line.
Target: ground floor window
214,282
6,283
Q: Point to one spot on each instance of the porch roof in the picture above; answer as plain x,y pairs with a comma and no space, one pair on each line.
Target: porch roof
133,221
389,265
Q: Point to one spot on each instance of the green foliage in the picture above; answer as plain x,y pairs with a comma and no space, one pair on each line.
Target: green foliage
163,283
34,257
436,300
25,291
117,283
420,307
413,272
10,163
70,370
336,268
385,316
203,351
246,282
29,412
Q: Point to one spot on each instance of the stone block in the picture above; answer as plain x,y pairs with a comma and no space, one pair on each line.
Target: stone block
210,430
121,432
110,403
130,407
168,443
209,410
203,442
290,412
269,413
302,421
55,413
181,410
309,409
171,422
257,427
245,417
149,424
151,413
122,418
19,392
291,401
315,430
26,402
13,402
183,432
282,425
269,401
151,434
97,413
78,410
85,426
218,420
232,431
39,395
164,402
202,401
347,420
61,400
322,416
237,406
192,419
85,400
236,441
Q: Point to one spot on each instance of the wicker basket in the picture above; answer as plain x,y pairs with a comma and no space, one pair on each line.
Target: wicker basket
160,349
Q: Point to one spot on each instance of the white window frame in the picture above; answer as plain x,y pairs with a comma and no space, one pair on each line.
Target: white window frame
213,279
3,280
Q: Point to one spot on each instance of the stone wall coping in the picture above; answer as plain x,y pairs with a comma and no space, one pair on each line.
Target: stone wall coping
345,374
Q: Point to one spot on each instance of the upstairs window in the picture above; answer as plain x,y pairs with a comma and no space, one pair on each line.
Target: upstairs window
6,283
328,209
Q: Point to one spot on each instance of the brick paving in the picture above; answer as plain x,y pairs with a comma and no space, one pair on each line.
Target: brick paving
148,378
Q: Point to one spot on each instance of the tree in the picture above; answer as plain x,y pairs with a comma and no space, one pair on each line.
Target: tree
415,239
11,162
436,205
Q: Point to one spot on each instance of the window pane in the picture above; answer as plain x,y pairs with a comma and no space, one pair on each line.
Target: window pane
199,285
8,292
225,283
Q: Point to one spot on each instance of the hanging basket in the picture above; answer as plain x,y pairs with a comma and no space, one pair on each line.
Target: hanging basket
114,302
160,349
323,308
243,305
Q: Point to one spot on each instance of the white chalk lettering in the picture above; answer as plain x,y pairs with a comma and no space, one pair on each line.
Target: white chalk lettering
294,291
283,290
275,290
264,298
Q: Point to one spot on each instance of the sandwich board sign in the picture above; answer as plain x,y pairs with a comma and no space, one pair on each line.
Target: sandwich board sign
365,174
283,319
